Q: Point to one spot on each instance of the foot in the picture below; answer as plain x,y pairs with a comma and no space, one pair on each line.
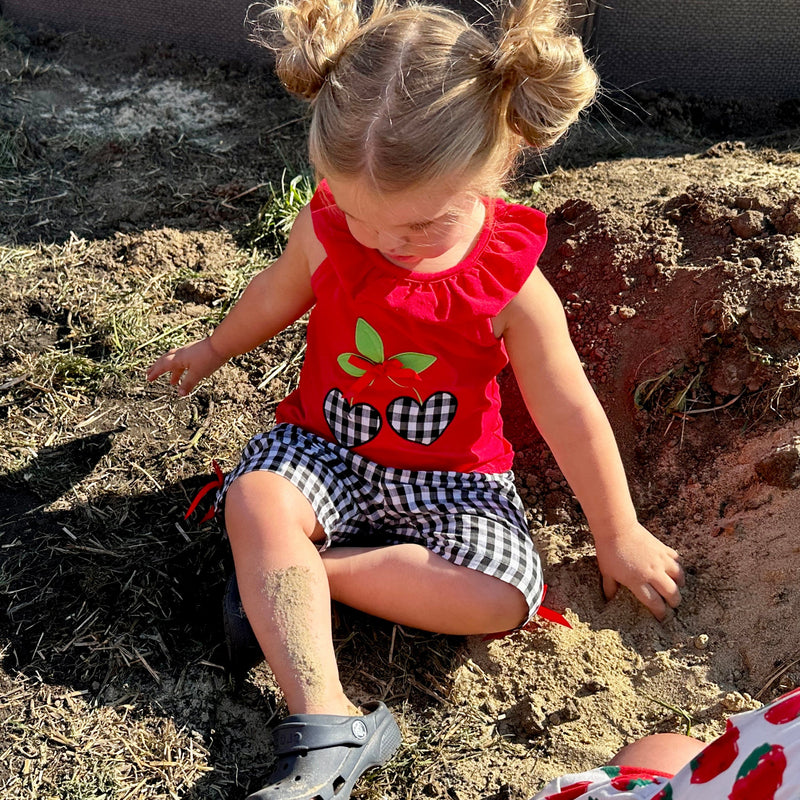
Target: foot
321,756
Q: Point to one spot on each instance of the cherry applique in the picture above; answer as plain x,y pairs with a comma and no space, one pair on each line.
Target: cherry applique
716,757
761,774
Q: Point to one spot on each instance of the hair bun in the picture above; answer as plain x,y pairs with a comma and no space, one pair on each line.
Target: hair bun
547,77
307,37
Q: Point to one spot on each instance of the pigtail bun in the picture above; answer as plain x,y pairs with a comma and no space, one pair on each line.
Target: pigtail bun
547,76
307,37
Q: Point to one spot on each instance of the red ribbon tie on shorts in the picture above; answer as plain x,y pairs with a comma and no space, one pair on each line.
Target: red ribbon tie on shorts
214,484
543,612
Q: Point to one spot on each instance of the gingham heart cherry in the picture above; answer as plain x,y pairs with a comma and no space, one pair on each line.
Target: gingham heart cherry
351,425
422,423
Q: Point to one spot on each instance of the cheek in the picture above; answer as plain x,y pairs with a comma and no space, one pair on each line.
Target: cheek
437,238
361,233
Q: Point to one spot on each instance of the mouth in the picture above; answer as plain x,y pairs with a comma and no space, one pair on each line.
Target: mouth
401,259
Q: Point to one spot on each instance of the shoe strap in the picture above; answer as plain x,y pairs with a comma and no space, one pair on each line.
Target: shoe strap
303,732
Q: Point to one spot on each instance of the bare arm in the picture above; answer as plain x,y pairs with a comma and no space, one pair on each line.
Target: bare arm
276,297
569,416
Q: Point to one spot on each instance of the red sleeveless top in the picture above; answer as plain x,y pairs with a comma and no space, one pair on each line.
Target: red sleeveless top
402,367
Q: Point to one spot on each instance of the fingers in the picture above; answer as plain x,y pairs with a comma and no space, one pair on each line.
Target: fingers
670,591
610,587
155,371
675,571
652,600
657,594
162,365
185,382
670,579
649,568
180,373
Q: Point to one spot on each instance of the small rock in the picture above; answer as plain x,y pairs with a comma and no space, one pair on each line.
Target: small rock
530,719
787,220
782,467
722,149
748,224
735,702
626,312
569,713
197,291
662,255
701,641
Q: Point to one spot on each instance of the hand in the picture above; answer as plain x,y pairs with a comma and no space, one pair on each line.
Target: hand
187,365
634,558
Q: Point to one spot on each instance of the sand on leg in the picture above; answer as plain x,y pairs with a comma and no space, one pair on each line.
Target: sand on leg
284,589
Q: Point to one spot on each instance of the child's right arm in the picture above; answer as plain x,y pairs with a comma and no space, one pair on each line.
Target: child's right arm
276,297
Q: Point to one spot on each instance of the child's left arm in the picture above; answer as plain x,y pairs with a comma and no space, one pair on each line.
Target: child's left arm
569,416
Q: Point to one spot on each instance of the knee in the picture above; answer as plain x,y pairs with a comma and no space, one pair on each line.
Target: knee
267,501
508,611
665,752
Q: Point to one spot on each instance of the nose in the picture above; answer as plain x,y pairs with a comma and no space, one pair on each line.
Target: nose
388,241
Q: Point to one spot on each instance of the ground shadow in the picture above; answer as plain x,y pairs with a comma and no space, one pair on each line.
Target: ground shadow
119,599
100,582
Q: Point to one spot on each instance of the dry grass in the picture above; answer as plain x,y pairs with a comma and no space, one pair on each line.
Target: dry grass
112,627
113,686
56,744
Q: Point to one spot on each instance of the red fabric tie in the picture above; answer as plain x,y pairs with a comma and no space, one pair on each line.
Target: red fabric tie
214,484
391,369
543,612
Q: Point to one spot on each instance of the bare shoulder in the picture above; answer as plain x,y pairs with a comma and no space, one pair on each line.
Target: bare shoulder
303,242
534,329
535,309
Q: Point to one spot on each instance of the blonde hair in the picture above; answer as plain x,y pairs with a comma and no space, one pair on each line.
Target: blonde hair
413,94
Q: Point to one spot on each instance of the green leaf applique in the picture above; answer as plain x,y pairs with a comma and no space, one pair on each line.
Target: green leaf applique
419,362
368,341
344,362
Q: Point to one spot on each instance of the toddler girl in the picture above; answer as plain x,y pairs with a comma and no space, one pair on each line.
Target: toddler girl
385,484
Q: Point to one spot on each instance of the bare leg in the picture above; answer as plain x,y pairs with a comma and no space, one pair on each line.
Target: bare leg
284,589
408,584
664,752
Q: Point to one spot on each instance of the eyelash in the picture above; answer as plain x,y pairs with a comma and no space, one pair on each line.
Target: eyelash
447,219
419,227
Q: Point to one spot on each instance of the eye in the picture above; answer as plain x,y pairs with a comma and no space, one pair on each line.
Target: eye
449,218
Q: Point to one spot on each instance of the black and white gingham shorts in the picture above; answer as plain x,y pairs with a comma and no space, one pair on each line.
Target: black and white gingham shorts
472,519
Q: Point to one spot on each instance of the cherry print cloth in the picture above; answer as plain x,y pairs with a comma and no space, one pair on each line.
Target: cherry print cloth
402,367
757,758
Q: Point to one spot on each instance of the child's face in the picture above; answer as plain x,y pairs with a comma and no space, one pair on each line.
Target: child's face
412,226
